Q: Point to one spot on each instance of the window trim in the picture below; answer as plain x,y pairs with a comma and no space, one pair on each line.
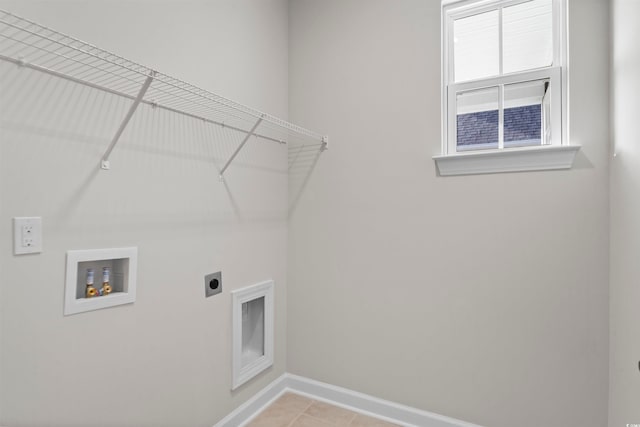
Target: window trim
556,73
517,159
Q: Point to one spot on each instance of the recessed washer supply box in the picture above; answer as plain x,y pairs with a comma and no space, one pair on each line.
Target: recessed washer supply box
122,264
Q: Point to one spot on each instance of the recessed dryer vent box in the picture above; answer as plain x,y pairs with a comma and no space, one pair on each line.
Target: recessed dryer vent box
252,331
122,264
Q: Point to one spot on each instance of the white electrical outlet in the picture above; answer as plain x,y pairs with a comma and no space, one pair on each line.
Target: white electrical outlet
27,235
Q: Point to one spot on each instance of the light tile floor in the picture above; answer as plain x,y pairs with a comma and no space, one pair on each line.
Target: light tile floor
293,410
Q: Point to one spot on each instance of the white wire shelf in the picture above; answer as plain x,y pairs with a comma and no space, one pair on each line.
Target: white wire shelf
32,45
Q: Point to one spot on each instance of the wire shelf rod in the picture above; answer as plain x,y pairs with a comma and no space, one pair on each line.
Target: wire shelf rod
28,43
305,149
45,60
131,97
179,84
79,62
95,63
47,50
77,49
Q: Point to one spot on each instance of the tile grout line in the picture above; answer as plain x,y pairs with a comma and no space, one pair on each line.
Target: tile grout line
322,420
325,421
300,414
294,420
355,414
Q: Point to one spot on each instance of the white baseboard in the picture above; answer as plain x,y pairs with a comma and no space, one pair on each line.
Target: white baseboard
252,407
338,396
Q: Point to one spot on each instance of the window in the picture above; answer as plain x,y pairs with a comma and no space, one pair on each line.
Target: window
504,80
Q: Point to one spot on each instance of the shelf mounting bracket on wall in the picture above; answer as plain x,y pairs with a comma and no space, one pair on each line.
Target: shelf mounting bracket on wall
244,141
104,164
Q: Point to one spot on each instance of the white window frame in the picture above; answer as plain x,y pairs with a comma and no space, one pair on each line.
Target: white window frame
557,154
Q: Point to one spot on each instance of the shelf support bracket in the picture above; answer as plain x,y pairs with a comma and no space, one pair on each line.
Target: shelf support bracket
244,141
104,164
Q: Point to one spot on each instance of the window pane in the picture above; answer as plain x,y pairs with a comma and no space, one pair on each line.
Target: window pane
476,42
477,119
523,113
527,36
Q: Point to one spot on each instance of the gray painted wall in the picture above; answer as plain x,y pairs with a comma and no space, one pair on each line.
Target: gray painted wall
484,298
624,394
165,360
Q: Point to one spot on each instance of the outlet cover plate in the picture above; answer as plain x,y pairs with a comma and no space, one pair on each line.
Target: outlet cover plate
212,284
27,235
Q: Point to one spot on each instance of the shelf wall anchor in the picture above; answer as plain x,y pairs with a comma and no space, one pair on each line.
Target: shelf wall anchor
104,164
244,141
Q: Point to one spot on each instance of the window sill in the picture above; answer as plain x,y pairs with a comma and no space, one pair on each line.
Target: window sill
509,160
